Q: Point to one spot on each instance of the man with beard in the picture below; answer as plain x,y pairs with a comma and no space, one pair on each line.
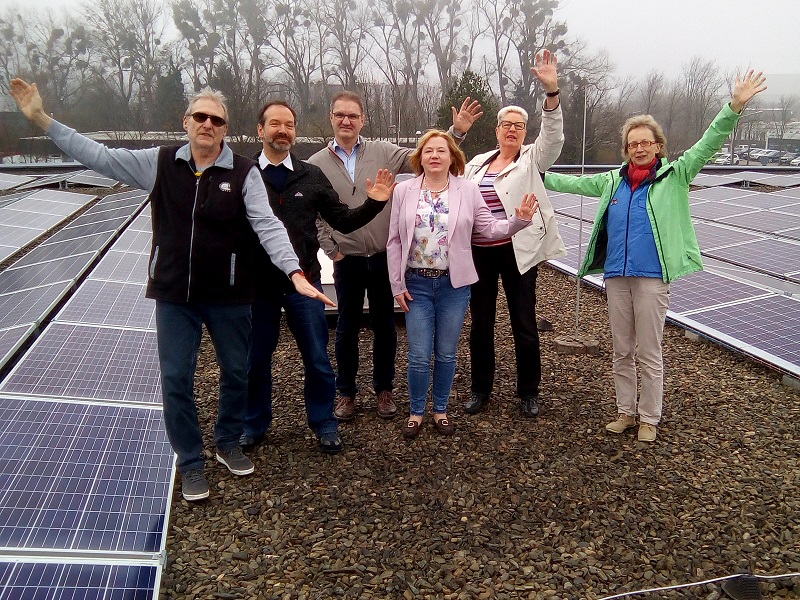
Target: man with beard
298,193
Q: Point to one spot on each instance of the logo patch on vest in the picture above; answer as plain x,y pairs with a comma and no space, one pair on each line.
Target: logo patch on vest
225,186
614,201
298,195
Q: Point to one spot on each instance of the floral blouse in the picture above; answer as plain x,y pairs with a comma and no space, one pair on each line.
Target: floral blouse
429,246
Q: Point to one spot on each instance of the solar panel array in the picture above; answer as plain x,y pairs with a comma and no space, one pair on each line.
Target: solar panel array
36,283
86,466
756,232
28,218
770,179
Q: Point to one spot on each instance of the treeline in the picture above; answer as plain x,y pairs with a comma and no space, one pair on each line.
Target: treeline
129,65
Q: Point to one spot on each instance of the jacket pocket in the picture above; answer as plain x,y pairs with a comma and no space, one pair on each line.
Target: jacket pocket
153,261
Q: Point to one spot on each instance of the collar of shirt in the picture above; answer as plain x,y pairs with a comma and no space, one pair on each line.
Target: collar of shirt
349,160
263,161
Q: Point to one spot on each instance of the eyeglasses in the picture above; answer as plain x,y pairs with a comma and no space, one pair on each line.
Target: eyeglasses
342,116
509,125
201,117
644,144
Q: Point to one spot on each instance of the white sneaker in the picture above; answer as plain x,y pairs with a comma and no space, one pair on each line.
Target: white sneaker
647,432
622,423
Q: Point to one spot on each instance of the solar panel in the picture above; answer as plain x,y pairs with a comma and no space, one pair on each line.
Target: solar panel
27,306
63,269
9,199
122,266
767,328
589,211
763,200
791,209
704,289
17,236
793,193
56,179
96,222
62,249
92,179
792,233
50,207
8,181
141,223
110,303
34,220
56,580
712,235
708,180
11,339
567,200
83,477
750,176
95,363
716,210
779,180
766,221
134,241
770,255
63,197
719,193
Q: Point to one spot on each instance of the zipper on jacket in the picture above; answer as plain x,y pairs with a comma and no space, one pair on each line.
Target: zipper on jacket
657,234
627,230
191,237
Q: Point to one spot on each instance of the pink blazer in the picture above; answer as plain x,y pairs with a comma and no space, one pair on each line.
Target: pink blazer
468,213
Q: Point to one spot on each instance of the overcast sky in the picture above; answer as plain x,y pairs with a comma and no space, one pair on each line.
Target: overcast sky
642,35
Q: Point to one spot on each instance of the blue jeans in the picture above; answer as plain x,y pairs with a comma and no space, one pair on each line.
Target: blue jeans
354,276
433,326
306,319
179,328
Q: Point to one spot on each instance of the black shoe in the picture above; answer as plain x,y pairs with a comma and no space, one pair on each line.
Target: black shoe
529,406
248,442
476,403
330,443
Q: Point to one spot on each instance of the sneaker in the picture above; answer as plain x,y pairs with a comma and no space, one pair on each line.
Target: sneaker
529,405
622,423
235,460
345,408
386,406
330,443
647,432
194,486
476,402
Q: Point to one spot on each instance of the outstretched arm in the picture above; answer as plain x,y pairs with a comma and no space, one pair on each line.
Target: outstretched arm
745,89
546,71
30,103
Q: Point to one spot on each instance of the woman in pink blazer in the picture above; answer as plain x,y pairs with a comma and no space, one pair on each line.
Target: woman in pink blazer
431,269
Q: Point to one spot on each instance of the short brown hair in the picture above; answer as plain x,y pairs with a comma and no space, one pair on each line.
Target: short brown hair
349,96
652,125
457,159
272,103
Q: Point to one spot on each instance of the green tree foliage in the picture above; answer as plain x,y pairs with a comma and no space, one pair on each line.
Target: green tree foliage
481,137
171,101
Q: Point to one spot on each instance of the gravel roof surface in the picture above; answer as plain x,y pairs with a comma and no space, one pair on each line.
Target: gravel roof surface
552,508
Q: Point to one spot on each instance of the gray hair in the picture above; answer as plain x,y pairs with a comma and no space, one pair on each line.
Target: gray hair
208,94
515,109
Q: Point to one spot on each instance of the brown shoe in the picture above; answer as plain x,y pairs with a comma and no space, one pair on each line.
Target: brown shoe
444,426
386,406
345,408
411,429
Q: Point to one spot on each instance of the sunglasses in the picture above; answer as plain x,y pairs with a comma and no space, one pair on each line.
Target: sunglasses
201,117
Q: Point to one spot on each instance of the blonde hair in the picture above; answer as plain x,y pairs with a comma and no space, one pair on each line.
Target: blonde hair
509,109
458,161
209,94
652,125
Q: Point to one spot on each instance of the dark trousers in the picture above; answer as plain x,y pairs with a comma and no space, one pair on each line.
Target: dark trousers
354,276
306,320
179,327
492,263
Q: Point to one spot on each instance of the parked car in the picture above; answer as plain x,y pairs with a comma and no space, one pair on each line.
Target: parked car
787,157
713,159
726,159
769,156
743,149
795,162
754,153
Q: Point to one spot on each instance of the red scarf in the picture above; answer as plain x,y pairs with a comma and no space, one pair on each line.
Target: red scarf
637,174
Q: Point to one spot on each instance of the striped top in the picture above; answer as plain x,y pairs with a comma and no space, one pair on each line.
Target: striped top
495,206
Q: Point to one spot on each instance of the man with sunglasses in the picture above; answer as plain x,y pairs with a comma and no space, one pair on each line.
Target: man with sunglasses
207,206
505,175
359,257
298,193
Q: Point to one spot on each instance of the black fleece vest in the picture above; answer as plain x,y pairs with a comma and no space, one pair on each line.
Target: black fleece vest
203,244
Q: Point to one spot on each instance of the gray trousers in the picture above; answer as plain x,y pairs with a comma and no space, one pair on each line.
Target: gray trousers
637,308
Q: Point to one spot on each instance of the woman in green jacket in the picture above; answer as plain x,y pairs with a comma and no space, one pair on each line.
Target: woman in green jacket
642,240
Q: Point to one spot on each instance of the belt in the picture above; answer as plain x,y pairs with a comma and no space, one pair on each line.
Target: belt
429,273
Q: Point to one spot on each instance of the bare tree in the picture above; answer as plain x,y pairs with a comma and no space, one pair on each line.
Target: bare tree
702,85
650,91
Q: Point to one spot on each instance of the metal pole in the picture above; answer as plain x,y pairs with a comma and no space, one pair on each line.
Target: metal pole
580,213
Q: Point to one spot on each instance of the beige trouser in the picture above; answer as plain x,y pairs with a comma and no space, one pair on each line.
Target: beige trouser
637,308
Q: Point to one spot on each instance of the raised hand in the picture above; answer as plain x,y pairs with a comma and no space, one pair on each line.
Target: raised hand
464,119
745,89
528,207
29,102
546,70
383,187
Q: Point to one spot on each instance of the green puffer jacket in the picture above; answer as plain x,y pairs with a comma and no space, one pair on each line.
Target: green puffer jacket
667,203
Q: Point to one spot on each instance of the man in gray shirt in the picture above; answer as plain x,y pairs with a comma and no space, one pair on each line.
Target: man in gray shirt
360,257
207,206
